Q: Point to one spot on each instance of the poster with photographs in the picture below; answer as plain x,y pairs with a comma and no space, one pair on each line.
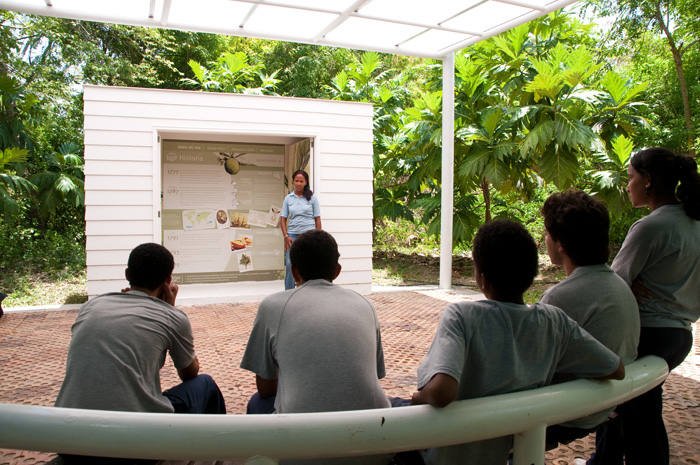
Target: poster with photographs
220,216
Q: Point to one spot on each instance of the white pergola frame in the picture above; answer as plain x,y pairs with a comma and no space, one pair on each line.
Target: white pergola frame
402,27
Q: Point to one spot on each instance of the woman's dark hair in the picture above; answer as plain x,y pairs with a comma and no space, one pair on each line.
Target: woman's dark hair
670,172
149,265
307,190
315,255
506,254
581,224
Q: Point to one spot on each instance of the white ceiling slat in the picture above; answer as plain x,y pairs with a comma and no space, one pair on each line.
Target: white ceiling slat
428,29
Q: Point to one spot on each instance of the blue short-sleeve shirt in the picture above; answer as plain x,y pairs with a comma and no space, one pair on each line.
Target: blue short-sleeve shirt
300,212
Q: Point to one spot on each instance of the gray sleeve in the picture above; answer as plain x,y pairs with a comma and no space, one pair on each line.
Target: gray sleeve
182,343
259,356
634,253
583,355
447,352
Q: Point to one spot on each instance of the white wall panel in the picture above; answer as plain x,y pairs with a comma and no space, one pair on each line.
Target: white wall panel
126,183
111,167
111,213
107,243
121,228
121,125
118,198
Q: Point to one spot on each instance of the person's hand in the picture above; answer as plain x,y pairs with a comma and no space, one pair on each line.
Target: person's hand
416,398
168,293
126,289
287,243
640,292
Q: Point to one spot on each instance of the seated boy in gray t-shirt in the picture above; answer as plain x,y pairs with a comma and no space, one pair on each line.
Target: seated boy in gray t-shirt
501,345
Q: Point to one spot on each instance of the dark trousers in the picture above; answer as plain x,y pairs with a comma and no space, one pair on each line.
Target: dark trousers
639,434
197,395
259,406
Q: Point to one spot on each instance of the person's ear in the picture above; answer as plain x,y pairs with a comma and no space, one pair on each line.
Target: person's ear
296,275
337,272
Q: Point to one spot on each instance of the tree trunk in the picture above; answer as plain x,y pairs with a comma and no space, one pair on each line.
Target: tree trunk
487,199
678,61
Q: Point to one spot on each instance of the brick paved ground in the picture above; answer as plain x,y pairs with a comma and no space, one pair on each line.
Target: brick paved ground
33,348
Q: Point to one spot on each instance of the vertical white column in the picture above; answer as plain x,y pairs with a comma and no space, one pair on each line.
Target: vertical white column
448,157
528,446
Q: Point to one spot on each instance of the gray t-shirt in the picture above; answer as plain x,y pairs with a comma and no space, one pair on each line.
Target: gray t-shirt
322,343
663,251
603,304
118,346
493,348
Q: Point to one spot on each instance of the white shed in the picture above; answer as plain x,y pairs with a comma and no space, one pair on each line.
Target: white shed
132,134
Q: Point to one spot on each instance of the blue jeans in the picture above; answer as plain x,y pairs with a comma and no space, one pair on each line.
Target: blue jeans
288,278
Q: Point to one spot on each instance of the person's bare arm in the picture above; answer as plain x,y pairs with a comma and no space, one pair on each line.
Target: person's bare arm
266,387
617,374
190,371
318,222
440,391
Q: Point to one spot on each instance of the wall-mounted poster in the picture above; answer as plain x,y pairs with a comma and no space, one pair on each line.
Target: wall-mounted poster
220,212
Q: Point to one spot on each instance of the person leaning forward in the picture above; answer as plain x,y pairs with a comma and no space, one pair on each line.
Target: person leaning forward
119,342
316,348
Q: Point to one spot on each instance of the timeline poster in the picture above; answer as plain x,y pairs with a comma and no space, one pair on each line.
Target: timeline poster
220,213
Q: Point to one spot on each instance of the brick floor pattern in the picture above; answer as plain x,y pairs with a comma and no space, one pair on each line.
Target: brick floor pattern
33,348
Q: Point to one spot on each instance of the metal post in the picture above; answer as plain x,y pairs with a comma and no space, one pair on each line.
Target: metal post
528,446
448,157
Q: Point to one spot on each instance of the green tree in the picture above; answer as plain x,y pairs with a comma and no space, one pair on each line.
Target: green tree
231,72
677,21
12,185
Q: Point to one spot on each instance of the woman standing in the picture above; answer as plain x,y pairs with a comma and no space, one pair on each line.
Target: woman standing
300,212
660,260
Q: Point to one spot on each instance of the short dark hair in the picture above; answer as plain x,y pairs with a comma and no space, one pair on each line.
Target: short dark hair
581,223
506,254
149,266
315,255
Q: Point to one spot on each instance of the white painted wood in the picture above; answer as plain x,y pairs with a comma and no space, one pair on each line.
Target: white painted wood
115,152
355,264
354,277
346,213
350,238
229,115
355,251
123,127
95,197
109,257
122,228
356,226
336,200
352,160
136,124
111,183
105,272
118,138
97,287
108,243
126,213
111,167
345,174
203,99
340,186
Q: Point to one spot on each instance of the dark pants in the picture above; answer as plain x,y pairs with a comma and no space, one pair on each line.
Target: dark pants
259,406
640,434
197,395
